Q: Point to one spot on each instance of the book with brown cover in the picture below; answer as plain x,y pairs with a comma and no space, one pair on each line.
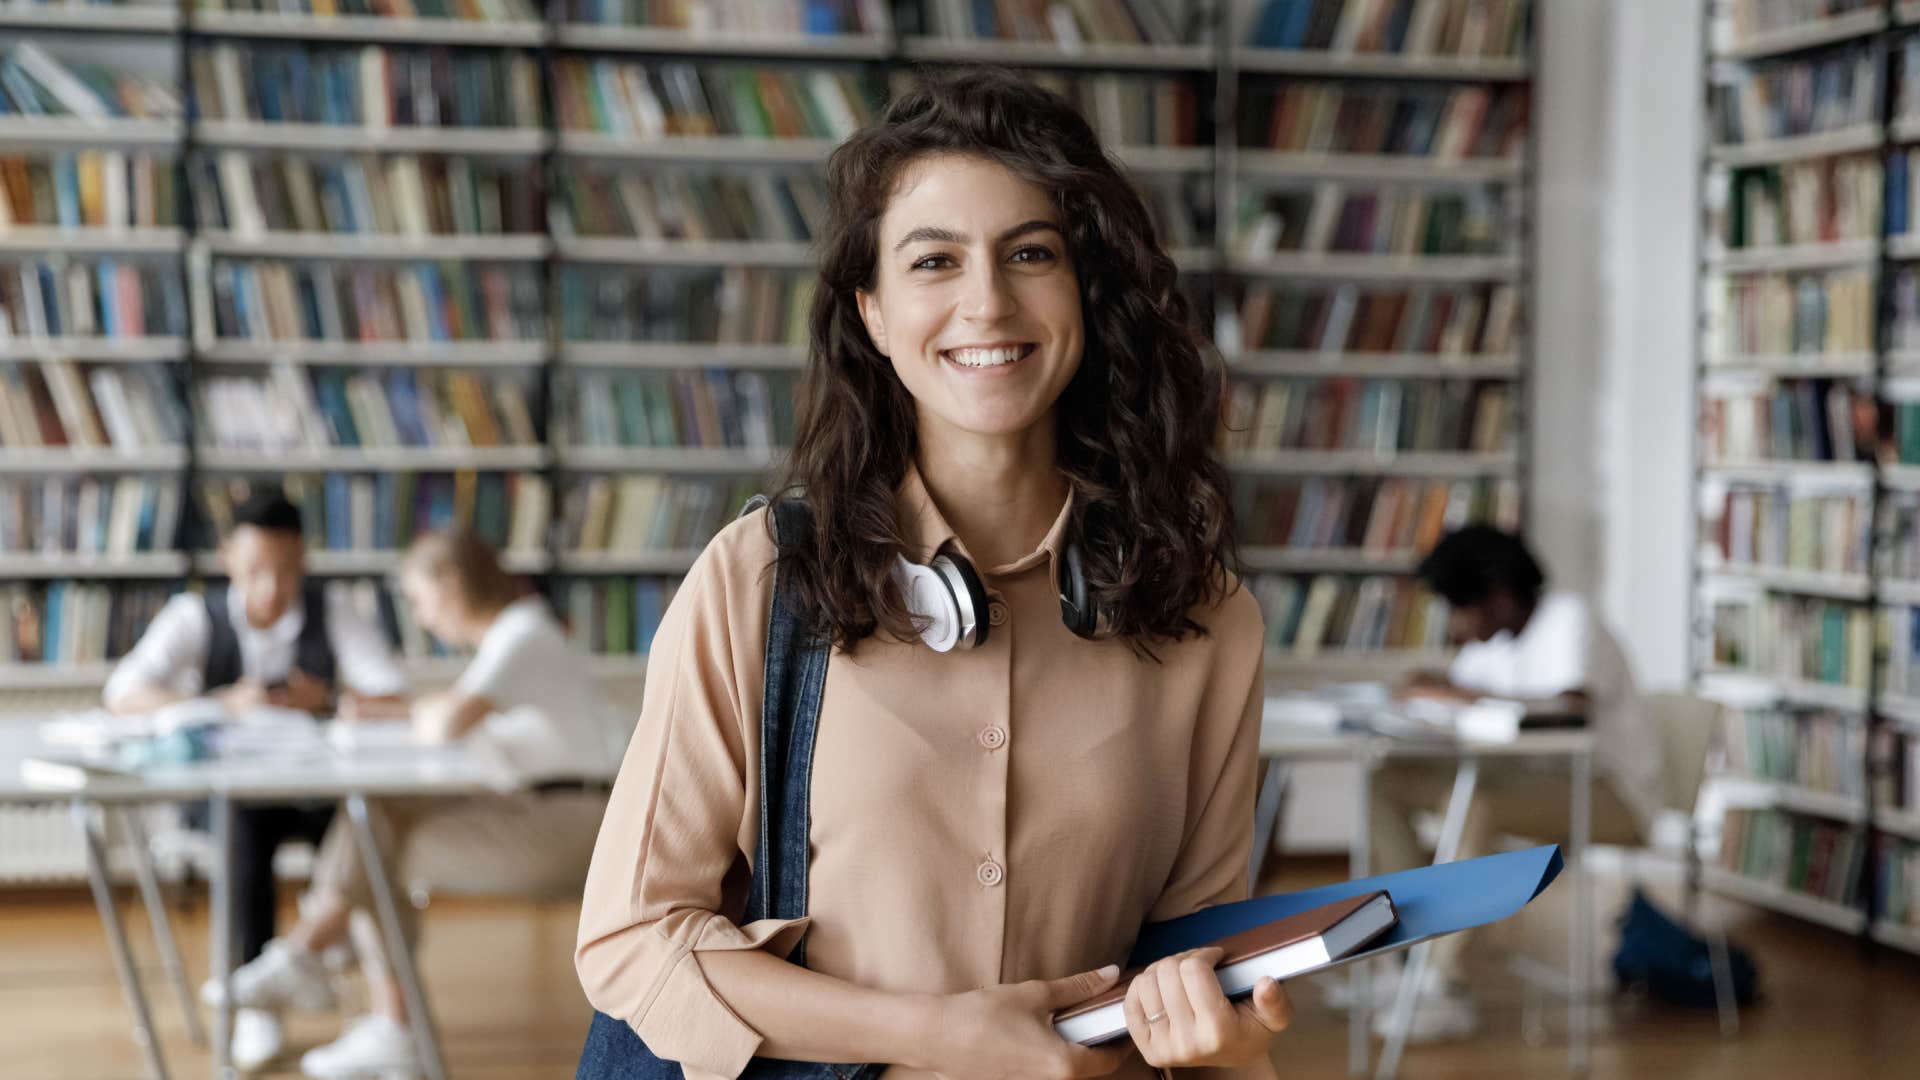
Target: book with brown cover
1362,918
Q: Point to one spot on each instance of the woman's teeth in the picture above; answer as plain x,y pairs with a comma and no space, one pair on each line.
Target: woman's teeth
981,358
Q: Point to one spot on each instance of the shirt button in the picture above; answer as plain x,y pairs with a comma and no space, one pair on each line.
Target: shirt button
990,873
993,736
996,614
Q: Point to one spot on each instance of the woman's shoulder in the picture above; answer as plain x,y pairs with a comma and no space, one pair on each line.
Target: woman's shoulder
1234,615
739,557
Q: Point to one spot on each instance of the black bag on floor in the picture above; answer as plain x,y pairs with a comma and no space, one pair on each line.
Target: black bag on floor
1671,963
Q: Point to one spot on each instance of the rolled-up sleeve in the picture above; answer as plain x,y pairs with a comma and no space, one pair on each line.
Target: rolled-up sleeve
168,656
1224,770
676,824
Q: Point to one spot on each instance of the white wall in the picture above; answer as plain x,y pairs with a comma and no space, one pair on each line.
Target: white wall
1648,420
1612,429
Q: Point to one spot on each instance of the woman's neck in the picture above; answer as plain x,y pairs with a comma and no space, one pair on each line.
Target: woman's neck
1001,495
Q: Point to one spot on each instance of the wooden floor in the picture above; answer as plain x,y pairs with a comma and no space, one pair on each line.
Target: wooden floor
502,983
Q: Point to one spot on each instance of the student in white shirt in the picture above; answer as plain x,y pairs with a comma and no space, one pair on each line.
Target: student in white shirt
527,696
269,637
1517,641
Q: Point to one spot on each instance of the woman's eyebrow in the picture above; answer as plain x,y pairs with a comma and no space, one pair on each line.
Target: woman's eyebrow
940,235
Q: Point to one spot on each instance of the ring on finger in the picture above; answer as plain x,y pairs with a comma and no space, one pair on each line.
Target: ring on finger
1157,1017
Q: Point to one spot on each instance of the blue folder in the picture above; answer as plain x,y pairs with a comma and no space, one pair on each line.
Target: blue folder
1431,901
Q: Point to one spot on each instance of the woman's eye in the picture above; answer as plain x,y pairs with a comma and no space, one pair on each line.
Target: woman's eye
1033,254
932,262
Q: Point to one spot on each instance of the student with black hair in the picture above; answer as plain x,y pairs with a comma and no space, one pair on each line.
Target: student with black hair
270,637
1518,640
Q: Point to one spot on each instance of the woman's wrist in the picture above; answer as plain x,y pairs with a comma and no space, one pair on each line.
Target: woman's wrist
922,1029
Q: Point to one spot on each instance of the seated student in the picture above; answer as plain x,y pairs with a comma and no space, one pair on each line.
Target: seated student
268,638
527,695
1518,641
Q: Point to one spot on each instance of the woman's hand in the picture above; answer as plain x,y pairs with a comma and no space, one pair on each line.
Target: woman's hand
1180,1019
1007,1031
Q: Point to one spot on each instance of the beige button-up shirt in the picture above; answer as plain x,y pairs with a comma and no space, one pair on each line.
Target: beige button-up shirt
979,817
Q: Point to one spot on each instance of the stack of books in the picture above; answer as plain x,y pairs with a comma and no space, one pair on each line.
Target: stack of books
69,623
1372,221
92,189
114,517
1791,420
383,512
371,86
1815,750
1777,314
713,408
1381,416
1396,121
1396,516
1438,320
399,195
1482,28
1798,639
1331,613
255,300
287,408
734,306
58,403
90,296
648,512
1776,526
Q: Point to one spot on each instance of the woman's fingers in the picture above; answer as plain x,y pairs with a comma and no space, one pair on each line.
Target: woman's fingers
1271,1005
1173,994
1212,1012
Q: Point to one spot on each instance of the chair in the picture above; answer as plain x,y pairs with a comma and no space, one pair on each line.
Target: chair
1688,725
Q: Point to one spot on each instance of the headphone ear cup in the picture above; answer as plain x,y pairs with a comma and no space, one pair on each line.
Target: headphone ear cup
929,597
1075,609
969,592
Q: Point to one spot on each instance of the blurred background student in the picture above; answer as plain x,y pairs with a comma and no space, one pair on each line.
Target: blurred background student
527,696
1517,641
269,637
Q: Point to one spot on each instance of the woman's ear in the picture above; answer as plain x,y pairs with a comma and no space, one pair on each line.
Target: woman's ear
876,323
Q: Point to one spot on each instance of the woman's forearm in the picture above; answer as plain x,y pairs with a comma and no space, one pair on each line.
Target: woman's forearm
805,1016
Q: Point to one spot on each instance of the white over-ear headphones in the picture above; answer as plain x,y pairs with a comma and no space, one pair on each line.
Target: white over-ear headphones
947,594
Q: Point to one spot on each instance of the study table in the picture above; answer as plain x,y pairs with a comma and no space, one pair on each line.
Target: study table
1342,731
326,773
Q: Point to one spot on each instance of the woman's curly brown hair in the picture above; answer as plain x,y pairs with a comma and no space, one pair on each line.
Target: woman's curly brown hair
1151,509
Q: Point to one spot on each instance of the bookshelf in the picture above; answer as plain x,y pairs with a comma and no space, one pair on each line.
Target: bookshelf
1806,581
542,171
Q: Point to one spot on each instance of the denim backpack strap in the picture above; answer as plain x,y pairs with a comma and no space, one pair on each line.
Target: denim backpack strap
796,674
789,719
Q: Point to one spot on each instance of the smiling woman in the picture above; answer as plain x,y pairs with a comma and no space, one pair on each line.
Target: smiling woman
834,851
980,230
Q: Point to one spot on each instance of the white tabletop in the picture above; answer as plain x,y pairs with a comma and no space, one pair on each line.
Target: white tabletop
325,774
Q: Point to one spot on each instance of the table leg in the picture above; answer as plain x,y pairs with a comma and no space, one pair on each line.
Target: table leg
400,956
162,925
1266,818
1465,779
1359,856
1581,945
220,930
123,962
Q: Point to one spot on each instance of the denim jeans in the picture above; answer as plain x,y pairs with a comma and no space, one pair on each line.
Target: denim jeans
789,716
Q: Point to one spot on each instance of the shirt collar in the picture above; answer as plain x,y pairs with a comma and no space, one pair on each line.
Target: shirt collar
927,530
284,630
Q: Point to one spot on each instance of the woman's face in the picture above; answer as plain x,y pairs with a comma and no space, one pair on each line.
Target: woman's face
975,299
436,606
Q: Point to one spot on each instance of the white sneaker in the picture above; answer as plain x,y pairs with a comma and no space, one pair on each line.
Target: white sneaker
281,977
1437,1017
370,1046
257,1039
